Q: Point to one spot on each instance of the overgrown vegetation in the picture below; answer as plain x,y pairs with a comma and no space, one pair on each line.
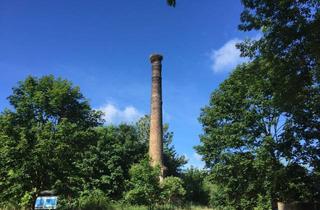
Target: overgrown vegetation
52,139
261,127
260,136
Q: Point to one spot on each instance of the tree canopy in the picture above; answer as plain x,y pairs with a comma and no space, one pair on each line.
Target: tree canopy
51,139
43,137
248,143
290,41
261,127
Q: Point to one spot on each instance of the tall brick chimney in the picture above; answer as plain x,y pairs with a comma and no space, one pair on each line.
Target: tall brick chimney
156,133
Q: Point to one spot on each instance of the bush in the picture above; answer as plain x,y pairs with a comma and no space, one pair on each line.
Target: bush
9,206
144,184
26,200
197,189
88,200
263,203
95,199
219,198
172,190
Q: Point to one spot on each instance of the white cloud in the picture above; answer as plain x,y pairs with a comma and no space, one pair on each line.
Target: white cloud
114,115
197,156
195,161
227,57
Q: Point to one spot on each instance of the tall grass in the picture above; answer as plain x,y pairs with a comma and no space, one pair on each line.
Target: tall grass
94,205
159,207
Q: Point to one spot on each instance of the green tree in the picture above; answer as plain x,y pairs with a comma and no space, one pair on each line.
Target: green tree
52,139
290,31
290,43
42,138
246,138
106,165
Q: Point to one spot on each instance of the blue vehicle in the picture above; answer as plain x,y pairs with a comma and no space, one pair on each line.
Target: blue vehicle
46,201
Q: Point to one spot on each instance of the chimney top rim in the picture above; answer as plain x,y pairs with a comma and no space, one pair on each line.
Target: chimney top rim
156,57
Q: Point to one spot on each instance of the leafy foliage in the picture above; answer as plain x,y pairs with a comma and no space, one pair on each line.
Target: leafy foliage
95,199
246,142
172,190
52,139
43,138
172,160
143,184
261,132
290,43
171,3
196,187
106,164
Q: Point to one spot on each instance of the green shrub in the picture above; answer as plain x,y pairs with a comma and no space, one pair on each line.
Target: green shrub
263,203
172,190
144,184
88,200
26,200
95,199
219,198
197,187
9,206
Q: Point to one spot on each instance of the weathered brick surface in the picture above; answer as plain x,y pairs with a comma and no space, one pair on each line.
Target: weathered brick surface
156,133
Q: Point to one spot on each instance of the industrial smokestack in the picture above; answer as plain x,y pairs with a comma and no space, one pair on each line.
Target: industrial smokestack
156,133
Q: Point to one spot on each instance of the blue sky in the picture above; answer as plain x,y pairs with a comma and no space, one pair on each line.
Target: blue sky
103,46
